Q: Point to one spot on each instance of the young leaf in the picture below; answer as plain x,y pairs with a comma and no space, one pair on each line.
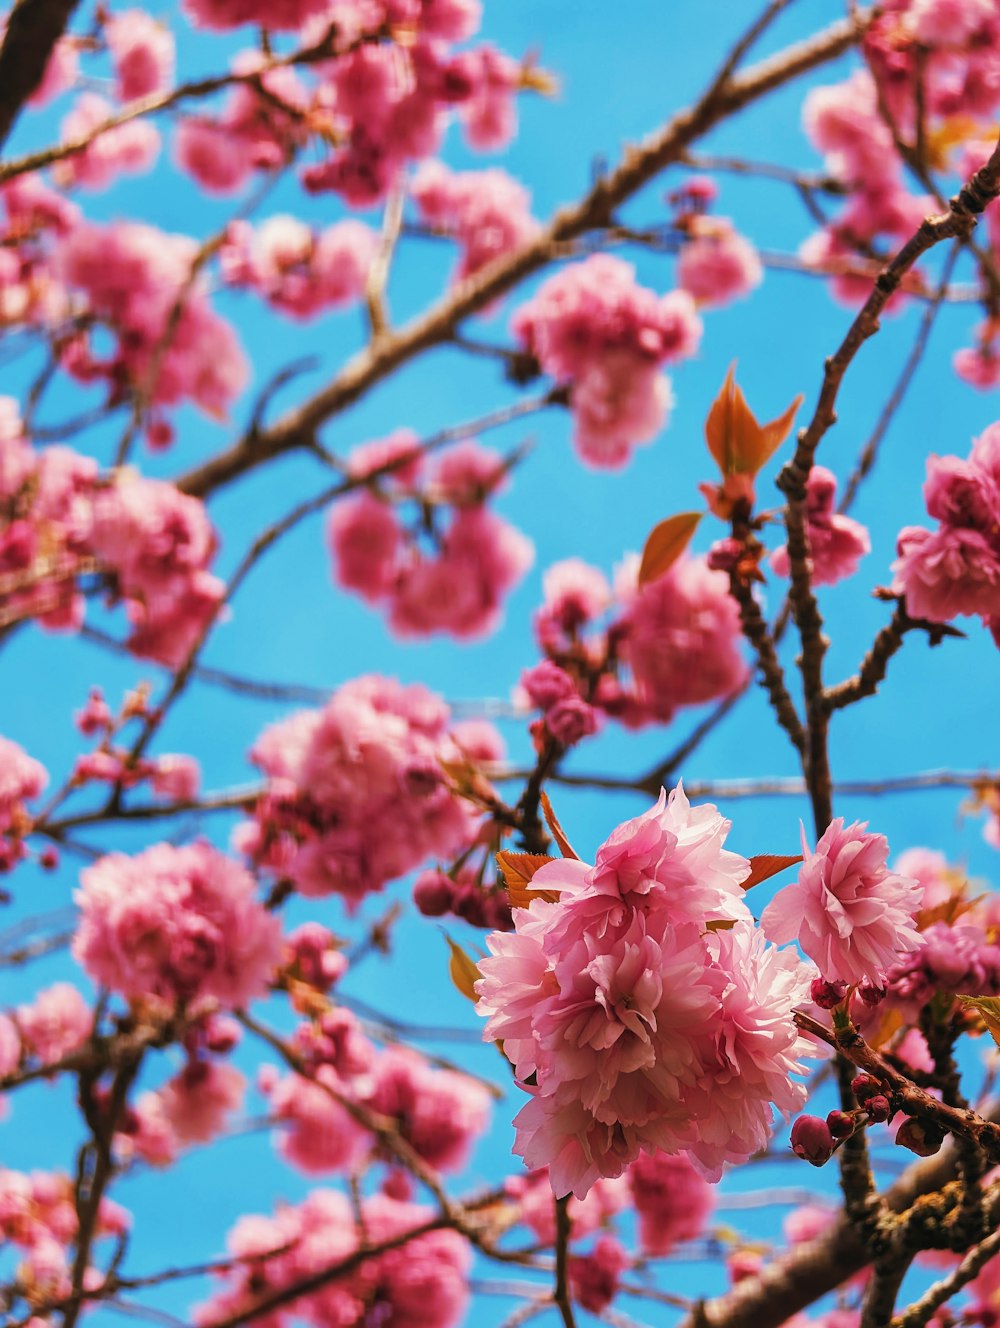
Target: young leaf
558,833
516,870
666,543
766,865
739,445
988,1008
462,970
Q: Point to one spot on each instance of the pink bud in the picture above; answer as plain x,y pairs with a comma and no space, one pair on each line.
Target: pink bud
812,1140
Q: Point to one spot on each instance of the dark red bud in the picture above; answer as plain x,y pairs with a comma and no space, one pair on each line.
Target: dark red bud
920,1137
812,1140
827,994
841,1123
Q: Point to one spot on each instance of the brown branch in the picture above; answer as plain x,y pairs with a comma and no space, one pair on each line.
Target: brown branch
957,223
33,28
788,1284
638,166
873,667
869,453
924,1309
561,1294
772,676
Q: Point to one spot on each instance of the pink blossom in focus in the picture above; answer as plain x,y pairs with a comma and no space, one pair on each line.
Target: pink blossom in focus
847,910
621,1010
177,924
946,573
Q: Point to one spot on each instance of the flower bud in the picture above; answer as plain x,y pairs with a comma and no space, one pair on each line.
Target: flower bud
433,893
920,1137
812,1140
872,993
864,1086
878,1108
827,994
841,1123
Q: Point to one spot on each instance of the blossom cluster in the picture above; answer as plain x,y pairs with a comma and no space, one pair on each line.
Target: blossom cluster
487,213
955,569
417,1283
449,569
38,1217
634,1024
21,778
382,98
438,1113
593,327
175,925
673,642
65,521
299,271
356,792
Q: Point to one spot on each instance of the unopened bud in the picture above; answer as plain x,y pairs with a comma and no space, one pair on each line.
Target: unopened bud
920,1137
864,1086
827,994
812,1140
841,1123
871,992
878,1108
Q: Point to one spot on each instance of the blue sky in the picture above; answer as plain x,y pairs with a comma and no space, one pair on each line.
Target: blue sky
622,70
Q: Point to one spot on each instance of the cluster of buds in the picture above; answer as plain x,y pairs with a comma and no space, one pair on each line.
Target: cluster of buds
464,895
816,1140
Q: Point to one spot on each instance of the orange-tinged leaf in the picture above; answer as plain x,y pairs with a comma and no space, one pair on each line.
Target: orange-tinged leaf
666,543
773,434
462,970
739,445
517,869
989,1009
558,833
766,865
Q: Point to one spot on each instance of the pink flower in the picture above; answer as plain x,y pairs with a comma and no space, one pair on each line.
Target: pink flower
946,573
21,777
836,543
635,1027
682,639
847,910
717,264
593,1277
57,1022
487,212
177,924
198,1101
176,778
439,1113
672,1199
142,51
128,149
593,327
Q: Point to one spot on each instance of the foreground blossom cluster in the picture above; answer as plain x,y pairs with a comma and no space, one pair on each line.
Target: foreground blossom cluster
632,1023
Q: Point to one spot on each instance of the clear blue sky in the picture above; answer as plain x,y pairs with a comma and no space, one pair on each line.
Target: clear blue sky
622,69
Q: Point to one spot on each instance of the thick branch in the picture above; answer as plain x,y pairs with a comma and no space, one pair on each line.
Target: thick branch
33,29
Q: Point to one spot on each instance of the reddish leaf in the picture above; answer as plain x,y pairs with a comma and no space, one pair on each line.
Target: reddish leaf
766,865
666,543
739,445
462,970
558,833
517,869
